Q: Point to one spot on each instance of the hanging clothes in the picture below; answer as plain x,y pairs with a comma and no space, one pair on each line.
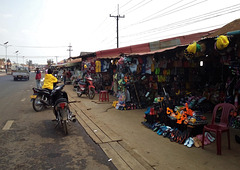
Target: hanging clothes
98,66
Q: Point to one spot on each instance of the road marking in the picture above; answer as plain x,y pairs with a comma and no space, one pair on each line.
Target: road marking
8,125
23,99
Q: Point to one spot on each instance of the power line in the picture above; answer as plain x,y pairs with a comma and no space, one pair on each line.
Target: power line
192,20
39,46
182,7
174,4
179,8
134,6
138,7
99,26
178,34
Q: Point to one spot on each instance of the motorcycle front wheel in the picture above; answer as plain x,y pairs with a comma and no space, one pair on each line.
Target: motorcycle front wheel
91,93
37,104
79,93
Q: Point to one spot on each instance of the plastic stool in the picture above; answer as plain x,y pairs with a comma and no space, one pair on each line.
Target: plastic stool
103,95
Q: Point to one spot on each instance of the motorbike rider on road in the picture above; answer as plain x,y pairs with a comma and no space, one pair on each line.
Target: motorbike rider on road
48,83
49,80
85,73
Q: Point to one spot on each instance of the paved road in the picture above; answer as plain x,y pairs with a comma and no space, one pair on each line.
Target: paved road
28,139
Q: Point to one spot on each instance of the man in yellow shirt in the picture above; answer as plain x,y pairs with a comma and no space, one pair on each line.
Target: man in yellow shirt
49,80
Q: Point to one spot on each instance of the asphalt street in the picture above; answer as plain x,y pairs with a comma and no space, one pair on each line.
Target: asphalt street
29,139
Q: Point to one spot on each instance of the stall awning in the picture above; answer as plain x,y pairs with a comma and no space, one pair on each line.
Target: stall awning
115,53
76,60
156,51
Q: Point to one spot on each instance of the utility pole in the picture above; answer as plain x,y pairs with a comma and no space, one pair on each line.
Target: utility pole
56,59
117,17
70,49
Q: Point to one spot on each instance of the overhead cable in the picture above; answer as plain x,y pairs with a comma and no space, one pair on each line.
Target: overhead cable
192,20
179,8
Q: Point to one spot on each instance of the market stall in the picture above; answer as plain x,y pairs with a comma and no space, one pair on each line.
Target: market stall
192,79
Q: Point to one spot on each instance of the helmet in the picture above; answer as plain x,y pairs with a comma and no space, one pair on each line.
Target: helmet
85,66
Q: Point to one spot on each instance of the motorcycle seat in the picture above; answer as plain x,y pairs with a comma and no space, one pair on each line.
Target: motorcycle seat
82,83
47,91
61,100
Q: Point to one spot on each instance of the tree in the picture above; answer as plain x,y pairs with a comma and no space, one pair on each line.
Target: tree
49,62
29,63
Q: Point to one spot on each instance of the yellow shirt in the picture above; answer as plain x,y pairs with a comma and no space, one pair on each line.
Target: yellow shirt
48,81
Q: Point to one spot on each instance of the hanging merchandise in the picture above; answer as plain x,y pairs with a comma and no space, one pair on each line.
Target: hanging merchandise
222,42
193,48
98,66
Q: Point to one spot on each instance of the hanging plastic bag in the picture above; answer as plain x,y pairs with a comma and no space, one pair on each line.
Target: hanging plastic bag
222,42
193,48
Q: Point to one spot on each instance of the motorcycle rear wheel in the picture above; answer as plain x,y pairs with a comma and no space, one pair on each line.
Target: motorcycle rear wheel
37,105
91,93
64,125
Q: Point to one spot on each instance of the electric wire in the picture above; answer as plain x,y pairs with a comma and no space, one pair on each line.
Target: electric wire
179,8
134,6
178,34
138,7
174,4
182,7
192,20
40,46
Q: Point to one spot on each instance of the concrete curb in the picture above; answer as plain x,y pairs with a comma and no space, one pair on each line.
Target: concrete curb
2,74
118,151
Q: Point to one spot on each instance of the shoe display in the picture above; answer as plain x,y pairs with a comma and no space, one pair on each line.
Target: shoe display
209,136
184,136
197,142
190,143
186,142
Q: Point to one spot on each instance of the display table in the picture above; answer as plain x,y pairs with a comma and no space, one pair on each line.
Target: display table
194,128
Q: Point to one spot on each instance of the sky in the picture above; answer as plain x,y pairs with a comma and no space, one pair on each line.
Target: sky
43,29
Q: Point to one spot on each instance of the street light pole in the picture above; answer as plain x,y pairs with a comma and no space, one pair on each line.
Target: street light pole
5,45
17,57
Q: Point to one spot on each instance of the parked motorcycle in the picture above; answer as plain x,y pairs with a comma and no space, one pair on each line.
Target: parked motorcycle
63,114
86,88
57,99
43,98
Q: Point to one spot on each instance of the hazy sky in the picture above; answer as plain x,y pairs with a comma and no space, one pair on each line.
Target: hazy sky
43,29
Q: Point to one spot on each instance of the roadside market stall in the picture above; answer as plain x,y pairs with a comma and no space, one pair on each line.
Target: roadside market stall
192,79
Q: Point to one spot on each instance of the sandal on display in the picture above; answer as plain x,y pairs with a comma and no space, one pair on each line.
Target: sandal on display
184,136
206,141
209,136
190,143
196,142
161,130
186,142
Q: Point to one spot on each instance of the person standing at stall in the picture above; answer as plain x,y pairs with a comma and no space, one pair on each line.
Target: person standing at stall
38,78
64,74
69,74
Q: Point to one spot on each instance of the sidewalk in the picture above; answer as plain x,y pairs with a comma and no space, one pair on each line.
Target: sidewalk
2,74
130,145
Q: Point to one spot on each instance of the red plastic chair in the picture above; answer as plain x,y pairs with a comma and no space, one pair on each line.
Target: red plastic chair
222,126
